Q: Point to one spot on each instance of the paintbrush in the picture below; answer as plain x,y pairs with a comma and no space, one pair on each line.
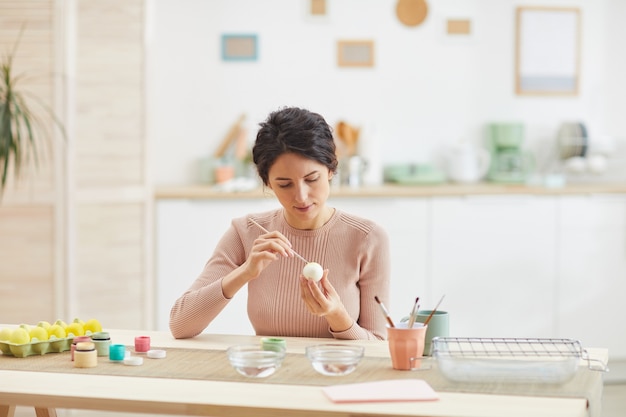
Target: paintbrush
265,231
385,312
430,316
413,313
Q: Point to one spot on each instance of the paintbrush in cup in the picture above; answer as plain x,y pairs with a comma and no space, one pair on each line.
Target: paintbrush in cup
432,313
384,310
413,313
266,231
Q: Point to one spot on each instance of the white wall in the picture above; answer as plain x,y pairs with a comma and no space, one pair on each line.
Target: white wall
425,91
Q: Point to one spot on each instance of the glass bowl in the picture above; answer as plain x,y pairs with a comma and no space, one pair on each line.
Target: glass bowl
334,359
253,361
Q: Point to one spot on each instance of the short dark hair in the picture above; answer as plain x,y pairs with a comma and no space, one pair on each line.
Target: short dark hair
293,130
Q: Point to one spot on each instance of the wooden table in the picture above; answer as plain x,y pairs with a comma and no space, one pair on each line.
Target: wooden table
47,391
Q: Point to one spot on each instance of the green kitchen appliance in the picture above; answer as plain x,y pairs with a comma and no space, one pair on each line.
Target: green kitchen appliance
510,163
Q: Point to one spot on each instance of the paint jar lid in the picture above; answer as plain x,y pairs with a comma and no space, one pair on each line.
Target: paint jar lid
156,353
101,336
133,360
85,346
79,339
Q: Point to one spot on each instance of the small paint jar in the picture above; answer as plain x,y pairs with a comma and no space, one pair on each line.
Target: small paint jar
75,341
102,340
273,343
142,344
117,352
85,355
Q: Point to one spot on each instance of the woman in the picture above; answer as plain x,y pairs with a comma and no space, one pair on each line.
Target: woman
294,154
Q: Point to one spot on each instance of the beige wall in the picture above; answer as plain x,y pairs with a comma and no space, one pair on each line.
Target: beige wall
74,234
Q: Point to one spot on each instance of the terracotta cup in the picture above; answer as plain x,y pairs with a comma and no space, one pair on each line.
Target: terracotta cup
406,346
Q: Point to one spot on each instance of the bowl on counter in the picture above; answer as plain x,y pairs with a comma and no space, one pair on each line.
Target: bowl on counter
334,359
254,361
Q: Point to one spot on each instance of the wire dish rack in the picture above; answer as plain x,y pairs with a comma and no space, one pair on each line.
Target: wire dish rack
525,360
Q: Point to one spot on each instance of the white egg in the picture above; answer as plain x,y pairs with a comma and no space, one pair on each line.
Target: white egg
313,271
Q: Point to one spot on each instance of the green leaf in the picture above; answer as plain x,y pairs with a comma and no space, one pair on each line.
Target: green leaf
21,129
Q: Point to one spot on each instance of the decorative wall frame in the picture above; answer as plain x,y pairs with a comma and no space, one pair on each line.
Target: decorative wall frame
355,53
316,11
458,27
239,47
547,51
317,7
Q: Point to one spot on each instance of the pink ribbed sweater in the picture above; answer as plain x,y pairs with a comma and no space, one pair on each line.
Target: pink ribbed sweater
353,249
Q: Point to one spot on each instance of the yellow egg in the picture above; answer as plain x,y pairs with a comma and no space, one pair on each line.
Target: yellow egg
5,334
93,326
19,336
56,330
75,328
44,324
61,323
38,333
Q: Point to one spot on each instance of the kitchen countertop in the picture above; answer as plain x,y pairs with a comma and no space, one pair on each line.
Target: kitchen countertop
393,190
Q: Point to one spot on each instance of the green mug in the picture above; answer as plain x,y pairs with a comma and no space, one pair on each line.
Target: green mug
438,326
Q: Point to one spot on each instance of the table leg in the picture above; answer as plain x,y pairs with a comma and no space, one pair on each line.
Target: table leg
45,412
7,410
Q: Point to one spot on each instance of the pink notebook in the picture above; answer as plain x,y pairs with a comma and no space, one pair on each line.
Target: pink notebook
379,391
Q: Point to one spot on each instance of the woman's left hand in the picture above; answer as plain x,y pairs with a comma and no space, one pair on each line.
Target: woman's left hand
323,301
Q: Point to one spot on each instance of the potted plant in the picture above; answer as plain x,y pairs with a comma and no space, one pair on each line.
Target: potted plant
22,120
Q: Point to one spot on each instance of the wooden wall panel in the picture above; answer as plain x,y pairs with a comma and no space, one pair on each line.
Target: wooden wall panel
109,264
109,255
34,60
83,250
109,93
28,206
26,256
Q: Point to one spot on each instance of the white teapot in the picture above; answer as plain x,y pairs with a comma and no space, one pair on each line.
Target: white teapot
467,163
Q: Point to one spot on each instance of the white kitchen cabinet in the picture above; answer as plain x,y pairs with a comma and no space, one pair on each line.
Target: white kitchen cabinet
407,223
493,258
592,271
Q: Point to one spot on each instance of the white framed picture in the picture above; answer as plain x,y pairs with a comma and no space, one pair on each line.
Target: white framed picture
547,51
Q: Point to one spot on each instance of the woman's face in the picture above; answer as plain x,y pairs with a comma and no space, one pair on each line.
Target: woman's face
302,188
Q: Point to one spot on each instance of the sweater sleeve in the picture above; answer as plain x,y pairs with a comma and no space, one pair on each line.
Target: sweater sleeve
204,300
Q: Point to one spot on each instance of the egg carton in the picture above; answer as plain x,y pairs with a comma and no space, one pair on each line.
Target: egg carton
53,345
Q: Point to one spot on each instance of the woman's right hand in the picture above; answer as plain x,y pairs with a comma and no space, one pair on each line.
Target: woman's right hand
266,249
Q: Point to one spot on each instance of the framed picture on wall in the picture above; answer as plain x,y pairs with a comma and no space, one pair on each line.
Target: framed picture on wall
547,51
239,47
316,11
355,53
